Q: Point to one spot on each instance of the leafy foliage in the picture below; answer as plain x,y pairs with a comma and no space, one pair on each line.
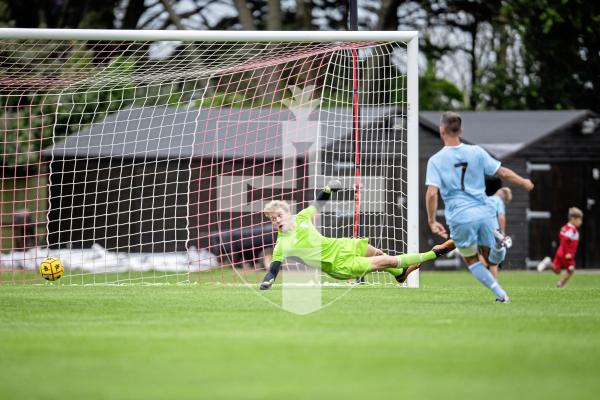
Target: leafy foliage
33,119
561,48
438,94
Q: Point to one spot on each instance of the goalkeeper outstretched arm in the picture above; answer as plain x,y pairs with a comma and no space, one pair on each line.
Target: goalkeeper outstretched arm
280,217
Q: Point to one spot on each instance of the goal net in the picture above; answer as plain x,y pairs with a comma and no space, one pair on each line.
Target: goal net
147,156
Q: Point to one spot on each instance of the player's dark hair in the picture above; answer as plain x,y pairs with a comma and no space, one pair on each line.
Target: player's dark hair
452,122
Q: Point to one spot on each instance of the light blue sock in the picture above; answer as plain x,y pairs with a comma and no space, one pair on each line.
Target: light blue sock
484,276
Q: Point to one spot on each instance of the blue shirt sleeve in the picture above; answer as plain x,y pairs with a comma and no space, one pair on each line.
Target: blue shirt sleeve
433,175
490,164
500,209
498,204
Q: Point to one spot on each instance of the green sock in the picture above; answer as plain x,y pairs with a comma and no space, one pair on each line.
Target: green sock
395,271
404,260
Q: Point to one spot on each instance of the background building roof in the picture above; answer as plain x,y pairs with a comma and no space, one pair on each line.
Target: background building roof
503,133
170,132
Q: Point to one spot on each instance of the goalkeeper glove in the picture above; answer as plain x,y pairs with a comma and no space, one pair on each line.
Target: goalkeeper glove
333,186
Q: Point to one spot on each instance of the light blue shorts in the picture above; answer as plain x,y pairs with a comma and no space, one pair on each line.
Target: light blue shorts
478,233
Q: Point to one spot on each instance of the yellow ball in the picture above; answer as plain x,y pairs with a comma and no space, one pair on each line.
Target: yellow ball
51,269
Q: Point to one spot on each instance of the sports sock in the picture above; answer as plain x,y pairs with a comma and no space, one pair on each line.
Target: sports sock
404,260
484,276
395,271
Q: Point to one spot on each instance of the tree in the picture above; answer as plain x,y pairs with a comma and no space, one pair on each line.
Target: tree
514,54
560,51
438,94
92,14
60,13
32,118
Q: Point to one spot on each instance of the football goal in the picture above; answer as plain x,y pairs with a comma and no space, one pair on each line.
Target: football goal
147,156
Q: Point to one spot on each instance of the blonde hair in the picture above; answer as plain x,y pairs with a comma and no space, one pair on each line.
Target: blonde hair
575,212
275,205
505,194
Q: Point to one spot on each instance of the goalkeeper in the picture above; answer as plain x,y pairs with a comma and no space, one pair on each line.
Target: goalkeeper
340,258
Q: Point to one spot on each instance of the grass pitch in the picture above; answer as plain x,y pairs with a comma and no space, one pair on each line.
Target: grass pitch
447,339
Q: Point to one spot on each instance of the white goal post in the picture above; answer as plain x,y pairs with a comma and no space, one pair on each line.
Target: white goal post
140,156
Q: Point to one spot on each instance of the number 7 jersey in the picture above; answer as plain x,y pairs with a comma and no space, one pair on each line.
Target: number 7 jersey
459,173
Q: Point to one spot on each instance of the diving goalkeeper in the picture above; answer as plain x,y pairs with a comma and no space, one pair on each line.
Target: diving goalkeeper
340,258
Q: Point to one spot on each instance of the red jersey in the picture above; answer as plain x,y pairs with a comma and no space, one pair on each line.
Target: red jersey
569,240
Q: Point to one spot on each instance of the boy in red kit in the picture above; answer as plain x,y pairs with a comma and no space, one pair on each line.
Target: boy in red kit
565,254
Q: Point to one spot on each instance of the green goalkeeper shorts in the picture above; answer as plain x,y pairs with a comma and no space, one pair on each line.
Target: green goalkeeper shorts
350,260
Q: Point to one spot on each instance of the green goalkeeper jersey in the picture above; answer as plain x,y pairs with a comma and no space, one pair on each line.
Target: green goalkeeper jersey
305,244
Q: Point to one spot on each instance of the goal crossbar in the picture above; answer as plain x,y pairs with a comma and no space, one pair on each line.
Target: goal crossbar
215,36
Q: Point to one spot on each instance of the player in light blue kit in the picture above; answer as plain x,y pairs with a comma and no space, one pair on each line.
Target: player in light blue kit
458,173
499,201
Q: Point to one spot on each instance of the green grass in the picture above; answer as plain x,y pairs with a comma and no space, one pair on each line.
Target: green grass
222,275
447,339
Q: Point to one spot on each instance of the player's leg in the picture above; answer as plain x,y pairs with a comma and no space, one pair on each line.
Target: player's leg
401,266
555,263
498,251
545,263
361,266
437,250
369,259
565,276
559,263
358,267
483,275
493,268
401,278
380,263
495,257
408,259
467,236
373,251
405,260
370,252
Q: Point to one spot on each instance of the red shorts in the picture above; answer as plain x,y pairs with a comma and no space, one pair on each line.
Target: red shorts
560,262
